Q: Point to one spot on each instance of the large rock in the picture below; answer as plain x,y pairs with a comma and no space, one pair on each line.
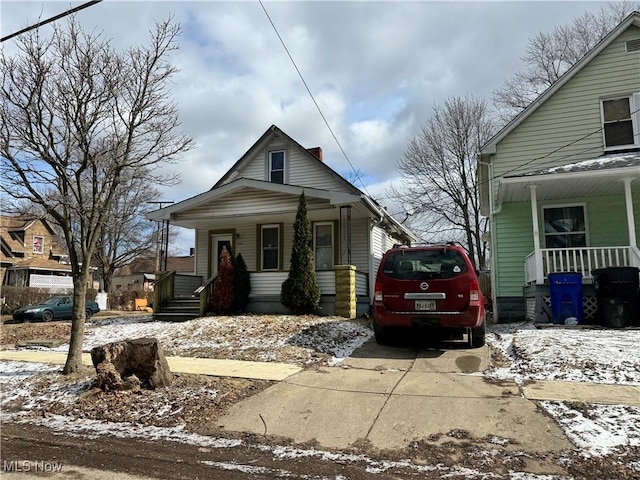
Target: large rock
131,364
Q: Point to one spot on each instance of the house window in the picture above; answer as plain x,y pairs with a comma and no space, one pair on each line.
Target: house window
276,166
38,244
621,121
565,227
270,246
323,245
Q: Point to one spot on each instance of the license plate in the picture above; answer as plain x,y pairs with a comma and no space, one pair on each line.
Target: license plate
425,304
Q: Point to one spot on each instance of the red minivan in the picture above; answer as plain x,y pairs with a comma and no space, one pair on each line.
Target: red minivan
431,286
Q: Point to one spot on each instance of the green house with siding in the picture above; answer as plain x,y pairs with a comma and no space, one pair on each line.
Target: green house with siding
561,182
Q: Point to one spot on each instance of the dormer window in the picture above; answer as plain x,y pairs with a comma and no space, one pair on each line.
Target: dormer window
621,121
276,166
38,244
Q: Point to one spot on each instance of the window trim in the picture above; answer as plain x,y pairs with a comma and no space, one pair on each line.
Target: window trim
260,262
332,224
566,205
39,251
269,163
634,109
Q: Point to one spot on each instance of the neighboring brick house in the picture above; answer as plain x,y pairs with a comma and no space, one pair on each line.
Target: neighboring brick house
30,255
140,274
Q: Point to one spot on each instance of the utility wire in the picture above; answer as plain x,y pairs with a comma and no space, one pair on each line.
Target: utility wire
314,100
598,130
52,19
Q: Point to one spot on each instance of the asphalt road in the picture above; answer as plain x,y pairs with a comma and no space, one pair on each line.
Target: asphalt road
109,457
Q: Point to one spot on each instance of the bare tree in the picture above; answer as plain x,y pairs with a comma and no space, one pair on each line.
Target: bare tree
549,55
126,234
438,172
76,118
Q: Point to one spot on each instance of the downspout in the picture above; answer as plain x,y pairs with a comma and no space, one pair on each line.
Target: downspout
536,234
492,213
630,216
633,242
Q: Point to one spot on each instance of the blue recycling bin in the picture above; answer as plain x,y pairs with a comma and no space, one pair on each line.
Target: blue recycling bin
565,289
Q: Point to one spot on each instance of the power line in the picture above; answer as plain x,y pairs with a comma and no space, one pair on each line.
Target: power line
52,19
357,175
554,160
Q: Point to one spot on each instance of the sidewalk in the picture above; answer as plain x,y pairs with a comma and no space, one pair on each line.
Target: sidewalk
555,390
390,398
198,366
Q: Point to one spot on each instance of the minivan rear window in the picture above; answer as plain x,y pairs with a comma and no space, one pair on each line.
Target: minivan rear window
424,264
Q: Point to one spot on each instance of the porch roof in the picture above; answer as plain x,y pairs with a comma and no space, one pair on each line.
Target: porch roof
599,176
207,206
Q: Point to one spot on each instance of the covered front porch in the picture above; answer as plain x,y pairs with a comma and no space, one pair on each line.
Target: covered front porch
182,297
257,220
584,218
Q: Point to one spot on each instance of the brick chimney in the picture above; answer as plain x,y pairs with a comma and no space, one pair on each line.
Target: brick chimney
316,152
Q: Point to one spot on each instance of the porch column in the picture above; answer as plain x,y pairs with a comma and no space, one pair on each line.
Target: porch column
630,217
345,305
536,235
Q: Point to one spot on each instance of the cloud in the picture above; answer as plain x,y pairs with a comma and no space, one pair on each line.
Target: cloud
376,69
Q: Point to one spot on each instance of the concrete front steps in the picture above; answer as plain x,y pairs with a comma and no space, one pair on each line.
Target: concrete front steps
179,309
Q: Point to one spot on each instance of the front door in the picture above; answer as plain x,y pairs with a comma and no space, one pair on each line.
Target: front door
218,243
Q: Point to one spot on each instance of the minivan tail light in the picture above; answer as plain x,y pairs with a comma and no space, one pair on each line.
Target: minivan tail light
377,295
474,292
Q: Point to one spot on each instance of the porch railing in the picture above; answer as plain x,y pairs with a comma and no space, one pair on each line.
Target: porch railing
203,292
163,290
582,260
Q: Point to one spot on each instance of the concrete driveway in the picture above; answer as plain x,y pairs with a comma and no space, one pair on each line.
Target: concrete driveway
391,396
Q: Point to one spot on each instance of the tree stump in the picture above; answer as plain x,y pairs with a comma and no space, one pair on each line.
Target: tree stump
131,364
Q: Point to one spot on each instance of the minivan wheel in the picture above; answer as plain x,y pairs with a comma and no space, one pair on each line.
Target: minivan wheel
381,334
477,335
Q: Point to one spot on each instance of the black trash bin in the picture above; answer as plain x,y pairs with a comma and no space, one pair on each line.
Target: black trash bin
565,290
617,296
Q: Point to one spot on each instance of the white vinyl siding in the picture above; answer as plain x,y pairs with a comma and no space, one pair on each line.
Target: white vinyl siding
202,253
270,283
267,283
360,244
301,168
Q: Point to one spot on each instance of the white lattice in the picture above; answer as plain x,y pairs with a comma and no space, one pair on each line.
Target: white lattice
589,306
530,308
51,282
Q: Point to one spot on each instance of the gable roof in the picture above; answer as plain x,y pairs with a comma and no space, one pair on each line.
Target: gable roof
11,226
632,19
274,131
228,184
184,264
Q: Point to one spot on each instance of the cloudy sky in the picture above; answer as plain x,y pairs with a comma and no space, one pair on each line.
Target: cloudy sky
376,69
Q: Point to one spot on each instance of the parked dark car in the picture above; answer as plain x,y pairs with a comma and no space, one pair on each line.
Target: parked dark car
431,287
55,308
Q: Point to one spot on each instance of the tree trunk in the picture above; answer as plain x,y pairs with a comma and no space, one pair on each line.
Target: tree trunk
106,281
74,357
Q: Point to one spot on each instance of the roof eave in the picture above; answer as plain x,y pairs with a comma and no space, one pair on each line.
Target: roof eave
489,148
